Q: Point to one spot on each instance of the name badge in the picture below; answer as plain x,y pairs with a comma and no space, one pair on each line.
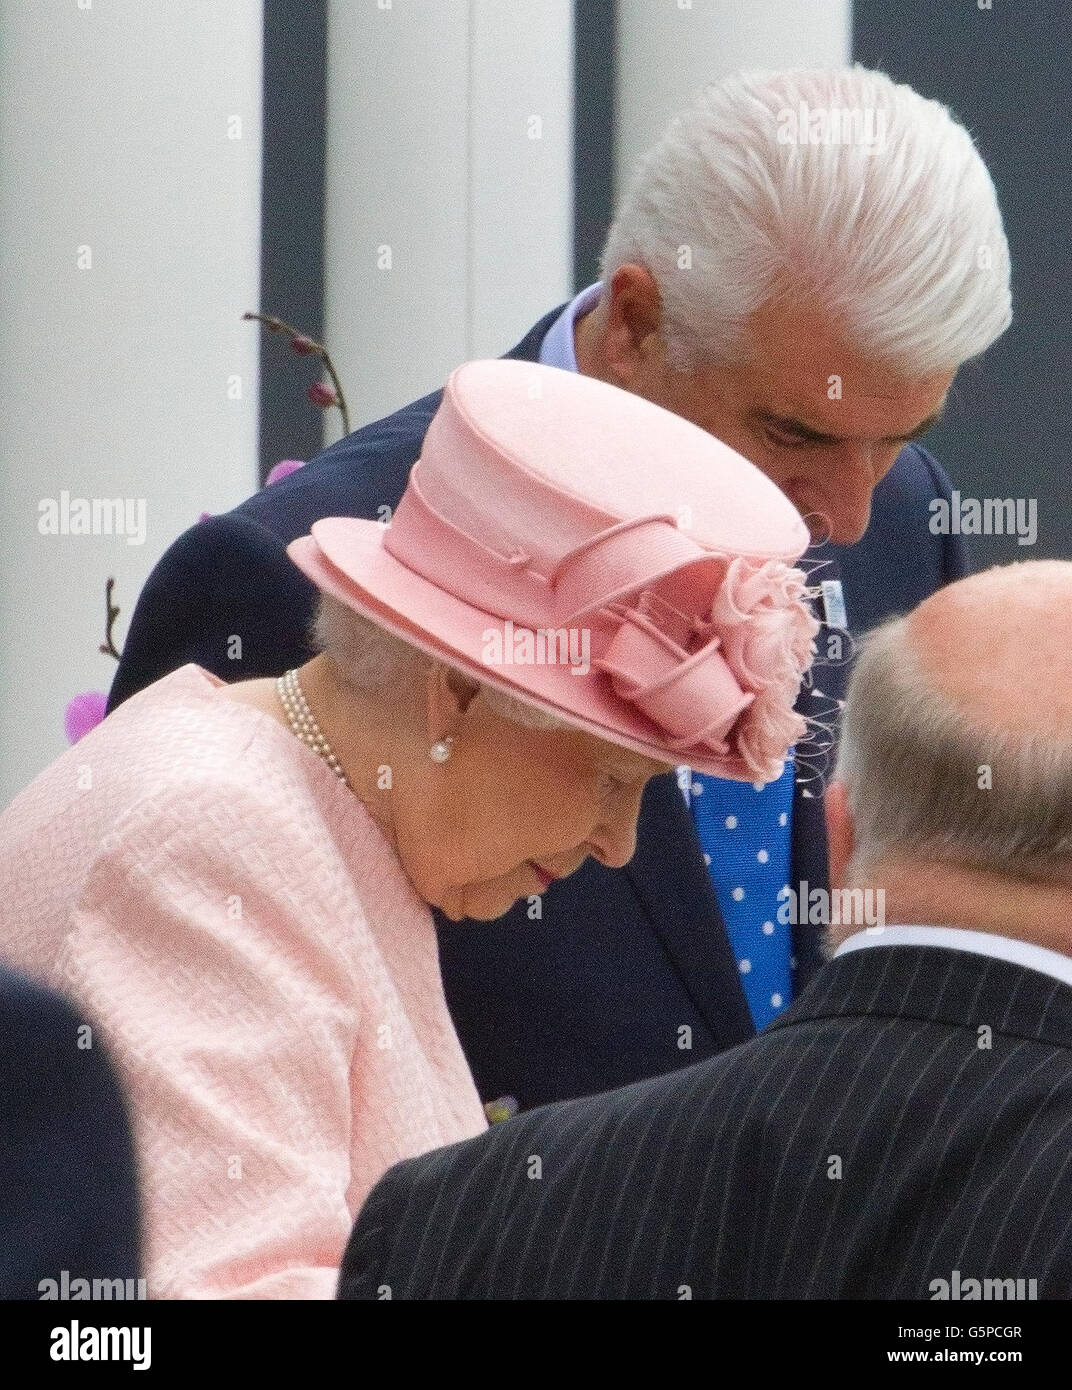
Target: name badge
834,613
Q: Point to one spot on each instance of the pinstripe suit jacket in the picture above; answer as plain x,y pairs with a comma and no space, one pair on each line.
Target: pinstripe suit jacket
910,1115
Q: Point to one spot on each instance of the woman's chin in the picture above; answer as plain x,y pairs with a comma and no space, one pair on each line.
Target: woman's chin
489,904
486,912
484,902
451,909
475,909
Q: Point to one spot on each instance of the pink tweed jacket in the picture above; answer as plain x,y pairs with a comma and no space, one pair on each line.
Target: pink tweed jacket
228,915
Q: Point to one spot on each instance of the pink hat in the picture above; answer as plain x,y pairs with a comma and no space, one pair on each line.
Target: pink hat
594,555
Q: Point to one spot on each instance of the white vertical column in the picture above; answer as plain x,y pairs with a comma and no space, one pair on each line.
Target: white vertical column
129,243
667,49
521,174
396,215
448,219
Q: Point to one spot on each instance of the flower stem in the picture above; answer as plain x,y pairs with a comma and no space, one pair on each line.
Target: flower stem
277,325
111,613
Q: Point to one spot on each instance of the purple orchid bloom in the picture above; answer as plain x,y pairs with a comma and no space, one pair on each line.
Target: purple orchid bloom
83,714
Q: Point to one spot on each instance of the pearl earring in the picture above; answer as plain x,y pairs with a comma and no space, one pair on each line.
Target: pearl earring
440,750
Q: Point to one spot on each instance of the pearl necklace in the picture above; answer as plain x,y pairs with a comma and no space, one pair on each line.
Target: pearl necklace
300,718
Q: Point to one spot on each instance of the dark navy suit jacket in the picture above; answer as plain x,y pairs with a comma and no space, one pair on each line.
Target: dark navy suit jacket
68,1195
630,972
865,1145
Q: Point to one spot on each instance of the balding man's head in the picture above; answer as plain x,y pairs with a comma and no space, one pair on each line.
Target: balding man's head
956,746
996,647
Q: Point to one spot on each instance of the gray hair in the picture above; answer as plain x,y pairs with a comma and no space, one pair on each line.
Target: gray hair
915,769
901,238
373,660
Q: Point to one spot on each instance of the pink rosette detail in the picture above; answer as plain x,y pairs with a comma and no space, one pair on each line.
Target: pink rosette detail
767,634
672,670
725,681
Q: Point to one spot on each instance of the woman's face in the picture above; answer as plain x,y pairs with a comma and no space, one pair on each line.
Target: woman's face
514,808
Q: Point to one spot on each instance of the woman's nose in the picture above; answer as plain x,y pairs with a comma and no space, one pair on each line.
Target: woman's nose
614,839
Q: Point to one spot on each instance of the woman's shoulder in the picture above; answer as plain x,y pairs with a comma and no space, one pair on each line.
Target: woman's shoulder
201,759
141,750
183,733
186,684
177,751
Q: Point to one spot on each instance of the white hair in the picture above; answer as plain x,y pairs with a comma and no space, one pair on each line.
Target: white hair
914,767
373,660
898,235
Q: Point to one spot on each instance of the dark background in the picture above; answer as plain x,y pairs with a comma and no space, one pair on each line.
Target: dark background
1005,73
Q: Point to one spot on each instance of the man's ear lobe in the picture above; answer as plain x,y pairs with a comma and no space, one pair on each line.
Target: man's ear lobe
839,831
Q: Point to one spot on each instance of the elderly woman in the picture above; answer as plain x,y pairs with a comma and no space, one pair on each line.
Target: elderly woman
577,591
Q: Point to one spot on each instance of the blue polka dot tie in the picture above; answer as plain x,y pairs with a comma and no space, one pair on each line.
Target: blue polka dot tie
744,830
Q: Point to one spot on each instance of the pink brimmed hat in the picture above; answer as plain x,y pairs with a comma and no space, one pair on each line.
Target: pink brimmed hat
597,556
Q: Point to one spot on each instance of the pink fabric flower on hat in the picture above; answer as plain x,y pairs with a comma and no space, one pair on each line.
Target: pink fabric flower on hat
767,636
724,681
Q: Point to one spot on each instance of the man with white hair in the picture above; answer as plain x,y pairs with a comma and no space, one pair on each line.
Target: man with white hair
904,1129
808,299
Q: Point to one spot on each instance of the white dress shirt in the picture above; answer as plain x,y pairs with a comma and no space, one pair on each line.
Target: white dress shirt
981,943
557,349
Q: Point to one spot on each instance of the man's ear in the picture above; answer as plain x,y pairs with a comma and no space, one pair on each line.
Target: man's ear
840,839
633,315
449,696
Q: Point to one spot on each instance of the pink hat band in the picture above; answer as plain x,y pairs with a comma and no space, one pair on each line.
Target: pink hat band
608,566
554,512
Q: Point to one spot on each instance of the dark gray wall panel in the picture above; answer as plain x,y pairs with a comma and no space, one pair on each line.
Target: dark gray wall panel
292,224
1005,73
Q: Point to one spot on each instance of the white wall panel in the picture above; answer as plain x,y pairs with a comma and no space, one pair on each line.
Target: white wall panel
119,131
429,154
522,167
667,49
